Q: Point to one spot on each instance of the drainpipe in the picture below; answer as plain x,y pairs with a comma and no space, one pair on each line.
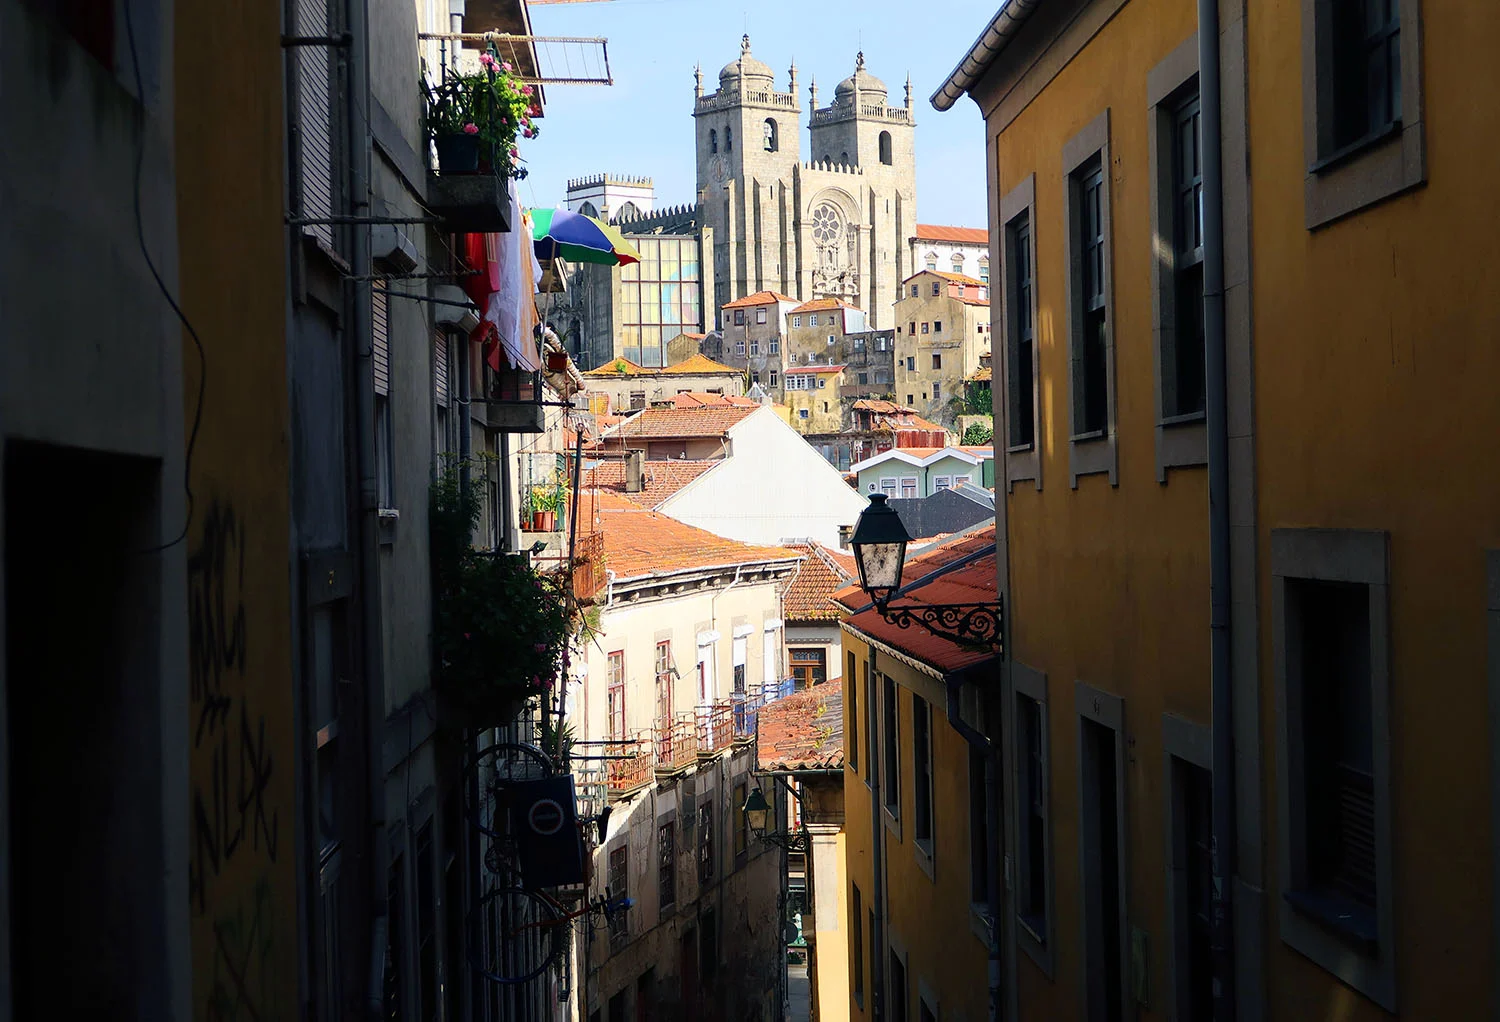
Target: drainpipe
1216,392
465,422
877,853
992,781
360,343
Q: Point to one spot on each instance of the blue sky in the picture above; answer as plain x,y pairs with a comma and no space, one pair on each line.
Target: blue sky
643,123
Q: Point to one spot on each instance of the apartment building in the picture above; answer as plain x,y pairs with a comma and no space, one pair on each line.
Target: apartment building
942,329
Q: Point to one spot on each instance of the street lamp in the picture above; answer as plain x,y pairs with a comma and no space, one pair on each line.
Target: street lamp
758,817
879,544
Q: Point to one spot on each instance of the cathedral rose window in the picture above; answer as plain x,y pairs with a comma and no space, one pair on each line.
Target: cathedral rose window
827,224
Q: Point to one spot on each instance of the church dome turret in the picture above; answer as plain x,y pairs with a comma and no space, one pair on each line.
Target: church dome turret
868,84
755,73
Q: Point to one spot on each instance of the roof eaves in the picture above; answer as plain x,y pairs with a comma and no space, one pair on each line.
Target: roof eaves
999,32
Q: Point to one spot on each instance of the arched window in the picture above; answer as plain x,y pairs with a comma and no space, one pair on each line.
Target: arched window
932,261
629,211
984,269
885,148
958,262
713,140
844,159
729,140
770,134
588,209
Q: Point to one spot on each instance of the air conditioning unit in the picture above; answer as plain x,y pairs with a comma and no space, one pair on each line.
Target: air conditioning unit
390,244
465,318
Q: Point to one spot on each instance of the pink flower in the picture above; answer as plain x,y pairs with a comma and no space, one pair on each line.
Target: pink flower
515,154
488,60
540,647
527,90
471,129
527,133
505,66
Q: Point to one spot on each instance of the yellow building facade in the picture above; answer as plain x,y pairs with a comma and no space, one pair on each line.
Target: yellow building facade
812,397
942,329
1327,497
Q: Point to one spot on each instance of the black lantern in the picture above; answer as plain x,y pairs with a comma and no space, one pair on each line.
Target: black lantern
879,544
757,812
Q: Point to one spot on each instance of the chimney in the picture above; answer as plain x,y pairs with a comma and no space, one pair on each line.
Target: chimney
846,533
633,464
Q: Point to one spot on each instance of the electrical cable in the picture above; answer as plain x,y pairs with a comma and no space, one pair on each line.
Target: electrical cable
140,237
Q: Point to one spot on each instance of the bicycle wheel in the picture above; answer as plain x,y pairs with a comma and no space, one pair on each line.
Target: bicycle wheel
515,935
492,771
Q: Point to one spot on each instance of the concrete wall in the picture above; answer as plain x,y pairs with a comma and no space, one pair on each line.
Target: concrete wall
960,342
823,408
662,386
797,493
975,258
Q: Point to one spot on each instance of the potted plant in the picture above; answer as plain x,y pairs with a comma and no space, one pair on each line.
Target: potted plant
474,120
501,627
544,504
557,361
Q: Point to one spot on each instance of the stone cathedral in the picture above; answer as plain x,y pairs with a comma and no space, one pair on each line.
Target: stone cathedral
833,225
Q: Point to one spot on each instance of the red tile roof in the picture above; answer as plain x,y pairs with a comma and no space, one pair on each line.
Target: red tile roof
680,423
974,582
697,364
804,731
819,304
639,543
953,235
759,298
659,479
807,597
875,404
690,399
980,375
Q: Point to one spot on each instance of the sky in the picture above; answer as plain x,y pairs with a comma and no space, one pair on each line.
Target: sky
643,125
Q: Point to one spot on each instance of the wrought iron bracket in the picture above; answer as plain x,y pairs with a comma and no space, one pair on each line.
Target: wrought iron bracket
968,624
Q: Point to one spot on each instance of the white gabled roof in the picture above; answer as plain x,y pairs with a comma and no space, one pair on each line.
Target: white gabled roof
921,457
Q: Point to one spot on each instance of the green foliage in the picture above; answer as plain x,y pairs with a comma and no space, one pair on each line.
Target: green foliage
501,627
978,434
491,105
979,400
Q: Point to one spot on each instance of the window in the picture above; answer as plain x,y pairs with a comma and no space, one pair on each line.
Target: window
984,269
851,696
1031,812
792,358
924,327
1021,342
1331,646
830,339
619,887
908,487
741,827
773,377
706,841
911,399
891,763
802,413
921,753
664,671
739,347
979,830
884,146
914,289
822,382
739,317
899,996
385,458
812,320
844,159
666,865
857,945
708,943
754,376
728,139
768,134
888,486
637,400
859,344
941,483
937,287
1102,839
1362,108
755,347
911,367
1091,447
932,264
937,391
864,379
1183,378
615,700
882,376
1092,402
911,328
937,360
1191,876
713,140
775,346
796,321
760,315
937,326
958,263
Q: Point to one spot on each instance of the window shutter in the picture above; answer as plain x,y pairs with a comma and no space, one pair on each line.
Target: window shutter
315,117
440,366
380,339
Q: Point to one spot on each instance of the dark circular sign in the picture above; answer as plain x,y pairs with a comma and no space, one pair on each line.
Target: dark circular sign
546,817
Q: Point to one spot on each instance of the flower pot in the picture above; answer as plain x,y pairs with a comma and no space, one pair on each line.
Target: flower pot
548,521
557,361
457,154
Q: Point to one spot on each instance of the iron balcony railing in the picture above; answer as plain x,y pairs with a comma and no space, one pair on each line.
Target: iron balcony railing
715,726
632,768
676,741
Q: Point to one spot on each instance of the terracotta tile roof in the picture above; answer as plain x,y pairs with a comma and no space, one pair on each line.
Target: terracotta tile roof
912,421
807,597
819,304
960,278
967,300
759,298
639,543
812,369
698,364
954,235
619,367
804,731
659,479
981,375
692,399
680,423
974,582
696,337
870,404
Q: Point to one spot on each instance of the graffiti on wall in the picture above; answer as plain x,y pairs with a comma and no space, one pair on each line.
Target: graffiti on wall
235,821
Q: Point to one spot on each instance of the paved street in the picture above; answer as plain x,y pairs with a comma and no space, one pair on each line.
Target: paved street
800,989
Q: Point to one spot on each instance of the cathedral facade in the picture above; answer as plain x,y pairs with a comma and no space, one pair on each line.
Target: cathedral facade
834,225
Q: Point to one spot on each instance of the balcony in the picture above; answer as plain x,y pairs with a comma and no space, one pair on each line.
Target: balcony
676,743
745,706
513,402
635,766
715,727
470,203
